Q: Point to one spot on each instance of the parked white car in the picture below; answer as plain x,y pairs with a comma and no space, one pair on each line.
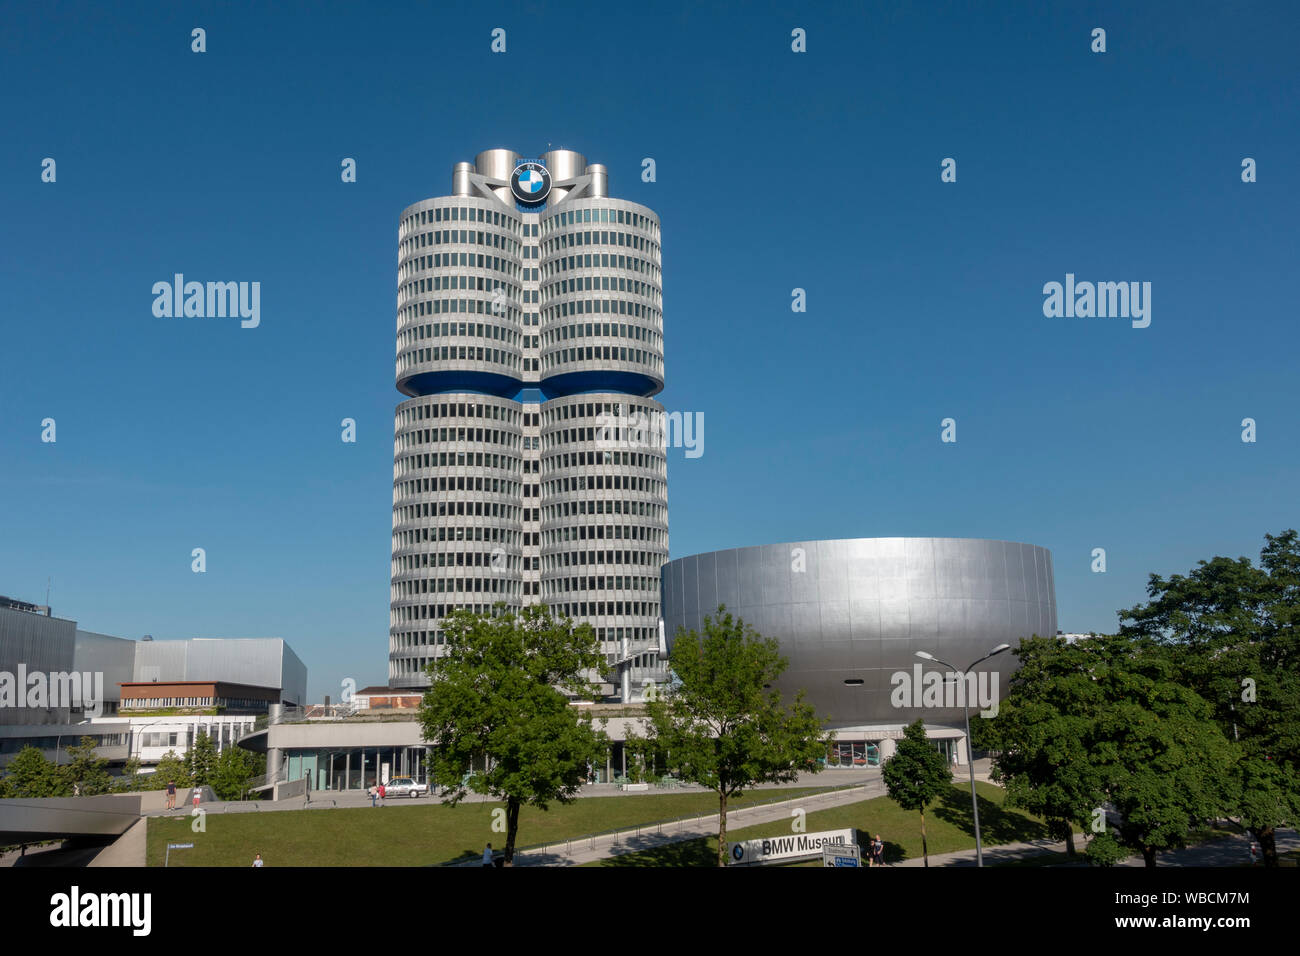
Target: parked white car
405,787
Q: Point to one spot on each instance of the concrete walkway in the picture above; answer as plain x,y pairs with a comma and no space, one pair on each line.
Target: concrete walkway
127,850
632,839
333,799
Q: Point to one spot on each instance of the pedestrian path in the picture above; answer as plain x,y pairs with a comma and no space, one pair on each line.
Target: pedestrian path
632,839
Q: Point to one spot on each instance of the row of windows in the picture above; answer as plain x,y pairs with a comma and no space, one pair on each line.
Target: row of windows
605,532
604,261
445,483
12,745
597,237
498,584
585,459
421,411
551,412
462,237
612,216
441,459
603,307
606,483
408,563
566,559
604,582
408,539
599,284
603,353
463,509
462,213
502,309
567,333
600,506
436,612
496,559
411,283
604,635
553,438
479,330
455,260
428,284
460,353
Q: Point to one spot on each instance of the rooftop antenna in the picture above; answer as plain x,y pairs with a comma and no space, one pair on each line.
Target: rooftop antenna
47,595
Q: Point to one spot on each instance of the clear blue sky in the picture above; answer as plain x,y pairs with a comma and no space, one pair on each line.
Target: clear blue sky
776,170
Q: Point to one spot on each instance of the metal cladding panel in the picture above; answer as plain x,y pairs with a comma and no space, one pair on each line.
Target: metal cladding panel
114,657
38,643
861,609
260,662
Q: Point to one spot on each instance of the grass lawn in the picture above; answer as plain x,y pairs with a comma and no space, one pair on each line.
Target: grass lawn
414,833
949,826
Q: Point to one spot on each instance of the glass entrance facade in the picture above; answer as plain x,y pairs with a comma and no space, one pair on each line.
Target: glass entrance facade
356,768
851,754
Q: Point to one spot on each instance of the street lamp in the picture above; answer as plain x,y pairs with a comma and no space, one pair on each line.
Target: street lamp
970,761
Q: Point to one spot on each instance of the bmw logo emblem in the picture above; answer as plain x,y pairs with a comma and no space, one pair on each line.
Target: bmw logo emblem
530,183
737,852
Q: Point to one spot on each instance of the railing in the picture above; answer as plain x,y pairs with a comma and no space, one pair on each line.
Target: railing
262,781
295,714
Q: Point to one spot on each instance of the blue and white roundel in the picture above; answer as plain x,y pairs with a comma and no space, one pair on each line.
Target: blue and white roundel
530,183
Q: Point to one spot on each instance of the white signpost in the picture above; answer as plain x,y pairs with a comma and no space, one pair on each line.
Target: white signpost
835,855
175,846
796,846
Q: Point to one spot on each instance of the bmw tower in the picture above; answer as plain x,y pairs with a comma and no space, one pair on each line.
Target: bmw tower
529,317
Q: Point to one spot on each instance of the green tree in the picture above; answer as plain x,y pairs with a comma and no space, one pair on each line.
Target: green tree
1163,763
234,768
86,771
1042,736
170,767
916,775
718,723
497,713
202,759
1106,723
31,775
129,781
1234,630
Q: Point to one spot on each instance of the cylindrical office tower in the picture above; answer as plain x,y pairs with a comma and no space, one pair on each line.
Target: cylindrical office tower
529,462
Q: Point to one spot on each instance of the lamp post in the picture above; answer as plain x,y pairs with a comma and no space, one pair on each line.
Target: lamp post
970,760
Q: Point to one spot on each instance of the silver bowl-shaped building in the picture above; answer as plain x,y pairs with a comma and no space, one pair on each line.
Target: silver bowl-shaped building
851,614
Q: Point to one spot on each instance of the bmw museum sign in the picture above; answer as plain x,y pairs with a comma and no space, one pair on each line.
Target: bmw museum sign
796,846
530,183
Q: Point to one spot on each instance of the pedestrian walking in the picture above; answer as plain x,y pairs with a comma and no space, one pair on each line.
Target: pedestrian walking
171,794
1254,853
196,796
381,794
374,796
487,855
878,851
257,860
